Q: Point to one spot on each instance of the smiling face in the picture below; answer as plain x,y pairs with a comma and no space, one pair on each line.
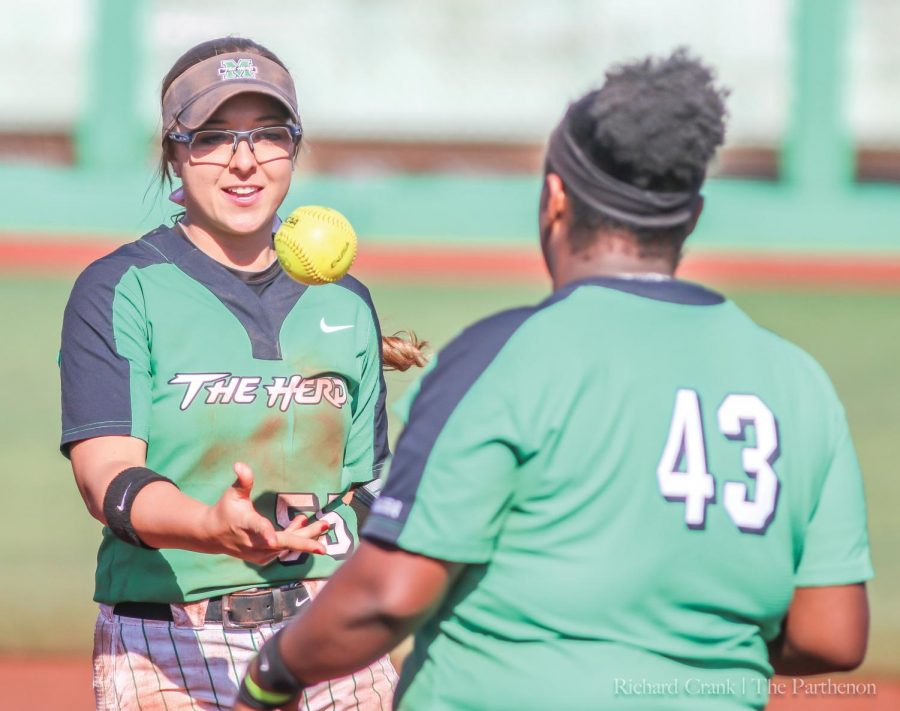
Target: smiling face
240,198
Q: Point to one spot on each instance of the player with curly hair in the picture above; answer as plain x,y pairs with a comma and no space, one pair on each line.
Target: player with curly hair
629,496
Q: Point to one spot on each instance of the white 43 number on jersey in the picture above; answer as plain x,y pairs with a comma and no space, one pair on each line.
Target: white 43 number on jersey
340,541
683,473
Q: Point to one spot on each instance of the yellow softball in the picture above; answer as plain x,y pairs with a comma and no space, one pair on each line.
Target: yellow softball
315,245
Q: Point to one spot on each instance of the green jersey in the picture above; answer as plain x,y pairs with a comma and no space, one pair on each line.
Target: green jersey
638,476
162,343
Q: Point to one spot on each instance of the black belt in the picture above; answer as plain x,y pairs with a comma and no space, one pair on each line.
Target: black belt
237,610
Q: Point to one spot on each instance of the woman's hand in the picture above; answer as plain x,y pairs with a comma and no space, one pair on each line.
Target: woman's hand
165,517
238,529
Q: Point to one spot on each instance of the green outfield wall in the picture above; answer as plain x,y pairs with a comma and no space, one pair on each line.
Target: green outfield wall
740,215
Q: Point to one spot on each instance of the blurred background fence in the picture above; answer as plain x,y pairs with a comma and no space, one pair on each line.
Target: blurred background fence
427,120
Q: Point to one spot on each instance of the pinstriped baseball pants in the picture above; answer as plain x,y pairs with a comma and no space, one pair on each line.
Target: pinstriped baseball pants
148,665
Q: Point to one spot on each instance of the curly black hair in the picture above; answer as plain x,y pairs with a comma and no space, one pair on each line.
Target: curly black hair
655,124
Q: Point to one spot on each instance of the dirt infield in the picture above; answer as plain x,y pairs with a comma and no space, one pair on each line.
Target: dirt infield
838,693
39,683
44,256
64,683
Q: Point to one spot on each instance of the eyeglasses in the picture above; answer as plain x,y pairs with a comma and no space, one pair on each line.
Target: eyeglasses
218,145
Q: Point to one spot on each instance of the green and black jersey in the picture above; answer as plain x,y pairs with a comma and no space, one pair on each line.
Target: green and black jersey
162,343
638,477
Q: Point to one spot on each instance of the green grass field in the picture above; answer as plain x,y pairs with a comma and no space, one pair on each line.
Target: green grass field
47,540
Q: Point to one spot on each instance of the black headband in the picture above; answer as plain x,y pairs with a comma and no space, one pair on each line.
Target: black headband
612,197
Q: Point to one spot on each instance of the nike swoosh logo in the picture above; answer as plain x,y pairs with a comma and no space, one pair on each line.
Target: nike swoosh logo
332,329
297,603
121,506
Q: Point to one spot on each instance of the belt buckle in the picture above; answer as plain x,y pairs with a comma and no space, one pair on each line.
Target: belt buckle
228,602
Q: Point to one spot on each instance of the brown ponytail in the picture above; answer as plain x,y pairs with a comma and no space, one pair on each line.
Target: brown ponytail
401,353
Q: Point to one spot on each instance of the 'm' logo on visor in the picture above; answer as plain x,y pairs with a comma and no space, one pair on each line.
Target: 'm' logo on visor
237,69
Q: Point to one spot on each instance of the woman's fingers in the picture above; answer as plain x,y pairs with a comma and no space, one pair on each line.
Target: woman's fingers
244,481
261,532
246,534
305,539
263,543
298,522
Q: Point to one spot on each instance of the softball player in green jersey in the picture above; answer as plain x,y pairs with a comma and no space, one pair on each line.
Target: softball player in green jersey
627,497
211,405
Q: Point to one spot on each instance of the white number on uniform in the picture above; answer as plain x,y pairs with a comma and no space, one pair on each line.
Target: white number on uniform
340,541
735,415
695,485
682,471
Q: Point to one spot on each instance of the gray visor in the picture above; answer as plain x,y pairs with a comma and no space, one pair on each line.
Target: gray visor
197,93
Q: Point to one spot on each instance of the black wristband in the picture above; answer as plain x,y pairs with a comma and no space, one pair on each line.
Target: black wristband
363,498
274,685
119,498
